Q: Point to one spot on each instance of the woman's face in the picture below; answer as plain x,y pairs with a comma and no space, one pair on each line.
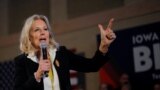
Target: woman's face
39,31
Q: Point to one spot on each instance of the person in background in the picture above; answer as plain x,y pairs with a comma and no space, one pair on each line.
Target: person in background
156,86
33,72
124,82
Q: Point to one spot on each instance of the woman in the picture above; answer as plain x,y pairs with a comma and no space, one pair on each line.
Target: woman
30,66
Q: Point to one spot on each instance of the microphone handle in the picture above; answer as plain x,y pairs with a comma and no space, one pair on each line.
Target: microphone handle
44,50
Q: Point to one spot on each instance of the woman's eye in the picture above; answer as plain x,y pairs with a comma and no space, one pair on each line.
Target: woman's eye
46,29
36,30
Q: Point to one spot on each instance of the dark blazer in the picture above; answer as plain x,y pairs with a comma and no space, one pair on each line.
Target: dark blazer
25,68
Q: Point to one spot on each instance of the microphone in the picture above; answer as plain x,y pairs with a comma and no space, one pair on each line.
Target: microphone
43,47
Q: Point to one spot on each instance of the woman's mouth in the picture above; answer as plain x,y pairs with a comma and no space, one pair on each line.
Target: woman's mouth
42,39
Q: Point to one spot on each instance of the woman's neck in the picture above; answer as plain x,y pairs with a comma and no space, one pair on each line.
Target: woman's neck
38,54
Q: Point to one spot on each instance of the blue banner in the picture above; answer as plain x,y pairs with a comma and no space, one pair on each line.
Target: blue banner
136,51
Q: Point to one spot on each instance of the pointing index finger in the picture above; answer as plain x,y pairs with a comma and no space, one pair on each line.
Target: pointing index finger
110,23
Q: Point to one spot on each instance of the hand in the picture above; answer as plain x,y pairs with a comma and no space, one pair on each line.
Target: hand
44,65
107,36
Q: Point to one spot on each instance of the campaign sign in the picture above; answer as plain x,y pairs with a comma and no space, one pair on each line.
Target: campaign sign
136,51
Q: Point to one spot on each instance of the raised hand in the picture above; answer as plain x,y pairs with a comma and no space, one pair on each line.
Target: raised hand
107,36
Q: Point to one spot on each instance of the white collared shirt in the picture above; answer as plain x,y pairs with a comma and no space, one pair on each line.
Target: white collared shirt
46,80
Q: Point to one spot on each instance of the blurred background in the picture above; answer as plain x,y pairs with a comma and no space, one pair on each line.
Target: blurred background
74,23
